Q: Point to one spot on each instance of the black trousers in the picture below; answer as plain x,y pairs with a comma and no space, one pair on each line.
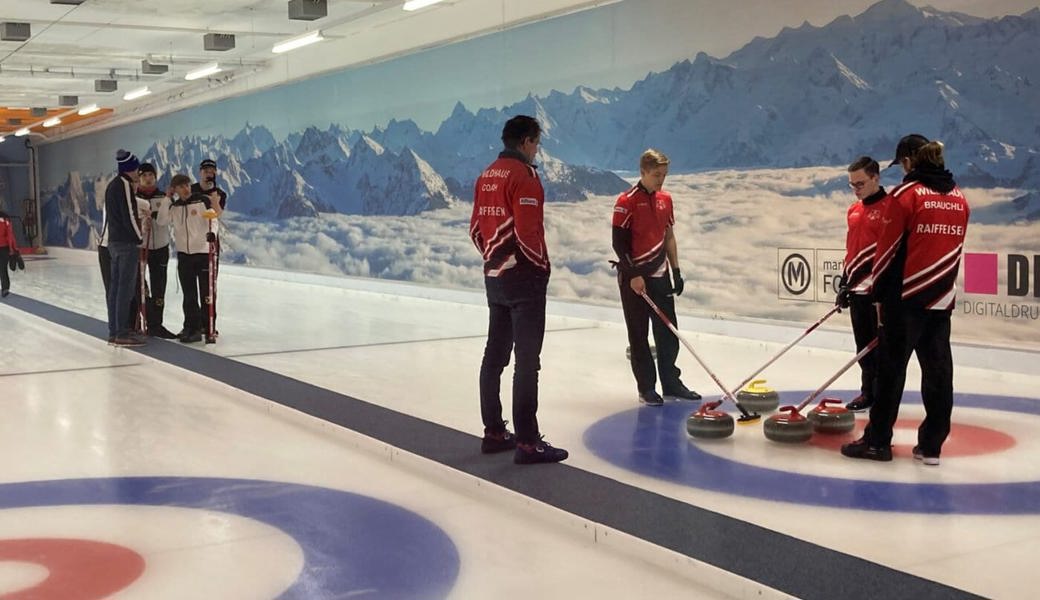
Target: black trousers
158,268
516,324
193,273
640,320
5,275
864,330
906,330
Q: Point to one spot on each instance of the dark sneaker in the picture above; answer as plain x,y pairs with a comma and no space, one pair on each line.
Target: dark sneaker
211,339
931,461
190,337
861,449
161,332
497,441
682,393
5,293
538,452
127,341
651,398
859,404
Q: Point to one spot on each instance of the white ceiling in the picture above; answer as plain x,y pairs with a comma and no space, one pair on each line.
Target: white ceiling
71,46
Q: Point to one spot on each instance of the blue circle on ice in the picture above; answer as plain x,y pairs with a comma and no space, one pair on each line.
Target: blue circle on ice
350,542
653,441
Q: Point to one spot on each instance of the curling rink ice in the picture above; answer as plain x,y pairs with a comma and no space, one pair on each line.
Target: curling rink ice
154,474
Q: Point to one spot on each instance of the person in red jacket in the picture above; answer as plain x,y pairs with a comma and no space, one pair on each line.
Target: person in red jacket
914,281
506,227
864,221
645,245
8,248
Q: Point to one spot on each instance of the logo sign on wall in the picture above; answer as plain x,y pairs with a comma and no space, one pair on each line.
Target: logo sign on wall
809,274
1021,286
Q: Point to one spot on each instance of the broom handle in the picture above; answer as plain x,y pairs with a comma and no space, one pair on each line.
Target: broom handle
855,359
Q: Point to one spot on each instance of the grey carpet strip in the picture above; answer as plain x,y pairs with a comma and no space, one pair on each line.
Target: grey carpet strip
785,563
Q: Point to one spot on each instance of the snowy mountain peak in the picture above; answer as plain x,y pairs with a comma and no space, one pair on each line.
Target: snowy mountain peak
367,145
889,11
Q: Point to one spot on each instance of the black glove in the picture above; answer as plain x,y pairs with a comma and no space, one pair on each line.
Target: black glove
842,299
677,282
211,237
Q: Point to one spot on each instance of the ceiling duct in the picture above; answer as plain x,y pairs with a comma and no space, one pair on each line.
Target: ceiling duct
148,68
68,100
105,85
15,32
69,2
308,10
218,42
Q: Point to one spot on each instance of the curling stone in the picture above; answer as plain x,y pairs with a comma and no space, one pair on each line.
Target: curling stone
708,423
830,416
788,427
628,352
758,398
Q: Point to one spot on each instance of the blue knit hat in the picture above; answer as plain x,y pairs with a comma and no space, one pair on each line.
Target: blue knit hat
127,161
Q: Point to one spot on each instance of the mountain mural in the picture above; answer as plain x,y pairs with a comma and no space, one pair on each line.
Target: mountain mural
808,96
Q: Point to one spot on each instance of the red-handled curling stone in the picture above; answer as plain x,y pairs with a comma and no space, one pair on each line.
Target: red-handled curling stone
788,427
708,423
831,416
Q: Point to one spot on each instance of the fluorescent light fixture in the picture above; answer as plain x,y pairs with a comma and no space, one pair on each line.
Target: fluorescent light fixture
298,42
86,110
205,71
51,122
138,93
22,131
417,4
2,138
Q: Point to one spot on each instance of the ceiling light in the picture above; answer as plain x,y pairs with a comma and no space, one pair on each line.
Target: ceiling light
206,71
298,42
51,122
2,138
417,4
22,131
138,93
86,110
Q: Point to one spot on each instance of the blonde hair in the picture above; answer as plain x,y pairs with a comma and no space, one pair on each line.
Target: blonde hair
652,159
931,154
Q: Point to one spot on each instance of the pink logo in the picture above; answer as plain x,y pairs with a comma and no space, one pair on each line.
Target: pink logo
980,273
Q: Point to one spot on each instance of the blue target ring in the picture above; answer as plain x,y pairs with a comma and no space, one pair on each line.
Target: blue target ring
350,542
653,441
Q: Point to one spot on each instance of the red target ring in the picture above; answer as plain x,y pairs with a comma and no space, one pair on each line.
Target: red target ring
964,440
77,569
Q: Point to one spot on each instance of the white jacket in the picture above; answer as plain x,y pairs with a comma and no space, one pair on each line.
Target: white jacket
160,228
189,225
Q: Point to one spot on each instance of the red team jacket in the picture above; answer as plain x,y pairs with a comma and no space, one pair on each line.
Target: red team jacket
7,236
648,216
864,221
919,251
506,225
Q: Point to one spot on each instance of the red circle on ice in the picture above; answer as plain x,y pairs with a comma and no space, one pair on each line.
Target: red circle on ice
78,569
964,440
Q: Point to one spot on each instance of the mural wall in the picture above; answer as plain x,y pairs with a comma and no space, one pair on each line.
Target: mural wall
369,172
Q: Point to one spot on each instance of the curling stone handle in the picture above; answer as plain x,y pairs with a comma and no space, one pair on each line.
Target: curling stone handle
756,385
709,406
826,402
789,408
